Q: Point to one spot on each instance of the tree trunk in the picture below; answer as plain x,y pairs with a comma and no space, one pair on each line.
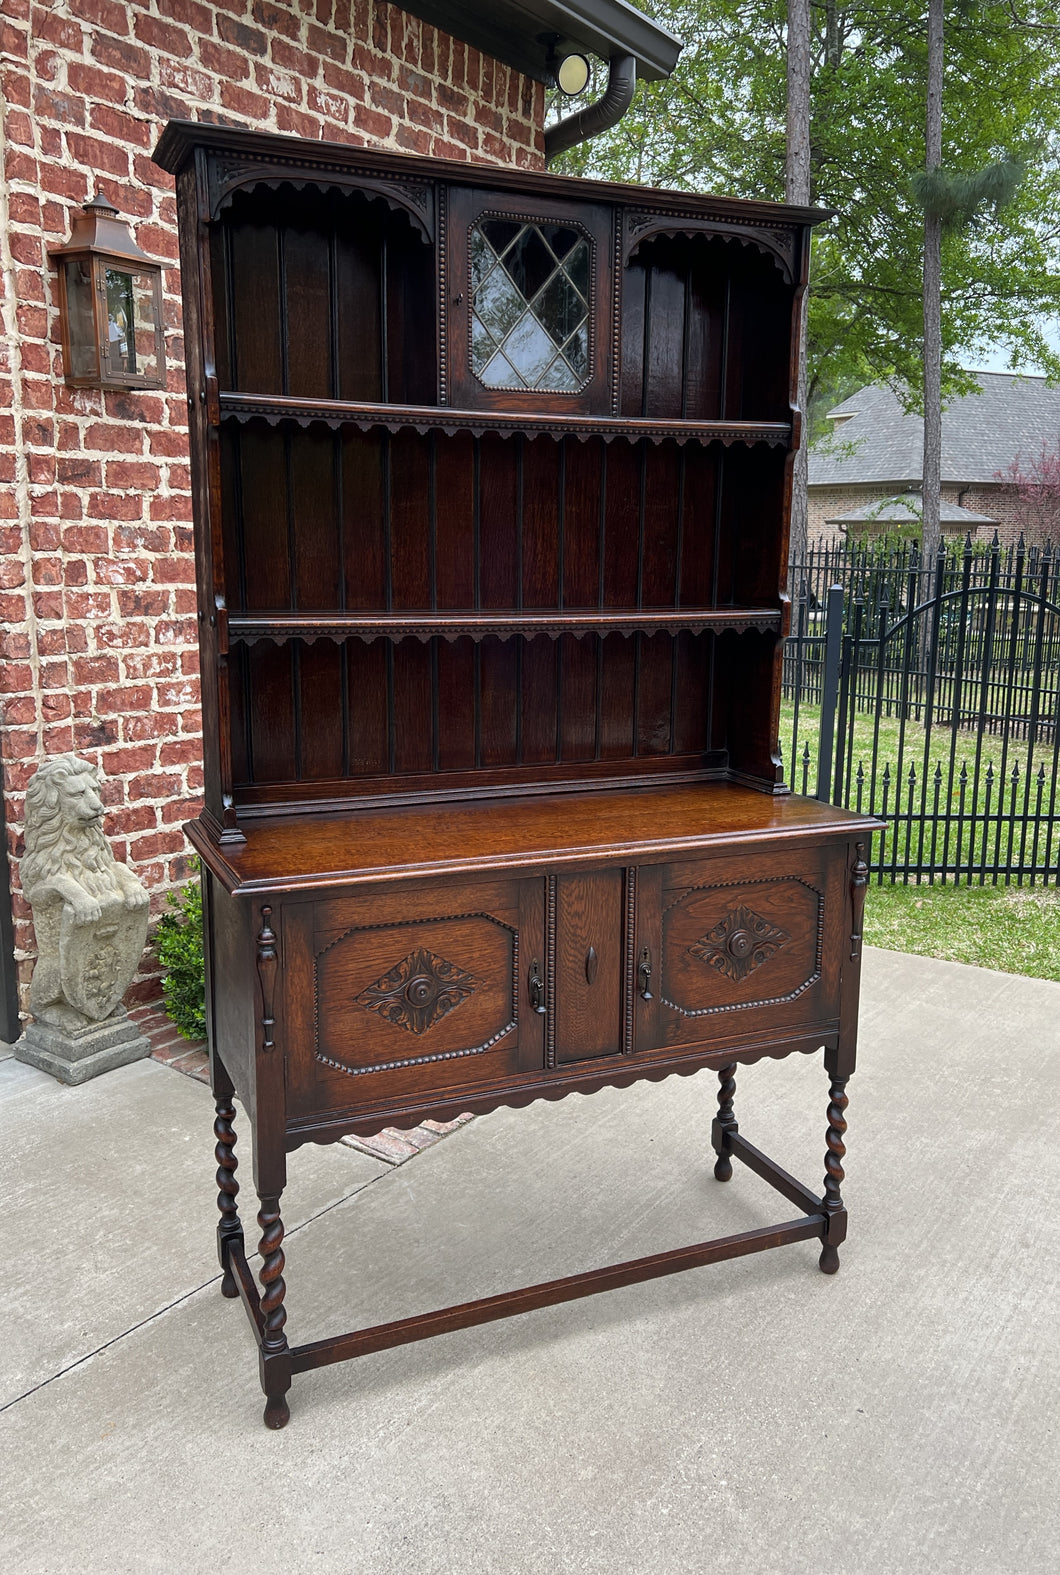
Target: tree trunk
831,33
932,530
797,189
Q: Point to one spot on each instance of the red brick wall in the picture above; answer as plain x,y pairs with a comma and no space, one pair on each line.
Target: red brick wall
1002,504
825,502
97,598
997,502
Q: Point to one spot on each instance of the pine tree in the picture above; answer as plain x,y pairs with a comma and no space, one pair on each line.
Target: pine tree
797,188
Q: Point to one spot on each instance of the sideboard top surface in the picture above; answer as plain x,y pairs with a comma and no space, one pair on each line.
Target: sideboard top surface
303,852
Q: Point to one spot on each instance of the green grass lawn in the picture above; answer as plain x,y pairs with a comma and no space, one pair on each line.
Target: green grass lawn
1013,929
913,740
979,833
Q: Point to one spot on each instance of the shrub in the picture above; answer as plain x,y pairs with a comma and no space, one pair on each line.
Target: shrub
178,943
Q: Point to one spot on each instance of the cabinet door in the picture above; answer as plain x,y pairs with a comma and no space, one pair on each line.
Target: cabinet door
586,912
530,303
750,945
399,993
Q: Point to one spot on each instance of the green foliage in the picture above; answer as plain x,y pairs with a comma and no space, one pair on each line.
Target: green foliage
959,197
882,541
719,125
178,944
895,535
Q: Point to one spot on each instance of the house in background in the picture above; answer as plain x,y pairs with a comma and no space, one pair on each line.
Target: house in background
906,509
866,477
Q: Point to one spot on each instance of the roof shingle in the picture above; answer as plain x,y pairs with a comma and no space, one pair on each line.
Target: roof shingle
981,434
908,509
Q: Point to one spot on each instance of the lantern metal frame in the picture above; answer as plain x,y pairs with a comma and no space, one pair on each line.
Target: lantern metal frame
104,244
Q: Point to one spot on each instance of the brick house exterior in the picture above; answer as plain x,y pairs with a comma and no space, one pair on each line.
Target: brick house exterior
827,504
97,579
876,451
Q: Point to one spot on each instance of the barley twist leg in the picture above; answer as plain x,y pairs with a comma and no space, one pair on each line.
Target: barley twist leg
275,1352
836,1224
724,1128
229,1228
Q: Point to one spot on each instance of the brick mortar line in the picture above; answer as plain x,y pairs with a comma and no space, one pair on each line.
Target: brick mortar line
22,492
23,495
399,24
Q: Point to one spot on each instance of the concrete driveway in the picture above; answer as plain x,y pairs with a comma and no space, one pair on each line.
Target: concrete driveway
754,1415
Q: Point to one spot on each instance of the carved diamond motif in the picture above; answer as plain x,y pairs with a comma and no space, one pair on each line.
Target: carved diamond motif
418,991
739,944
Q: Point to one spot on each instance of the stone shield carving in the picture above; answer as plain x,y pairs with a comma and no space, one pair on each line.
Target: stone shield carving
98,960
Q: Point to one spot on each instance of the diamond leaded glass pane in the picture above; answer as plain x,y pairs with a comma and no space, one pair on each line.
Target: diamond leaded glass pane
499,304
529,305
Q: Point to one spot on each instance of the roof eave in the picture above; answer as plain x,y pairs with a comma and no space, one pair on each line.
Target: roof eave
523,33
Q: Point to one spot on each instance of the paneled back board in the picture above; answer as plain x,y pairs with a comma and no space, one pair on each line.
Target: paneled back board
492,475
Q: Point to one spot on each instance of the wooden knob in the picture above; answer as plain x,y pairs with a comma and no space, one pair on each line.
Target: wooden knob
740,943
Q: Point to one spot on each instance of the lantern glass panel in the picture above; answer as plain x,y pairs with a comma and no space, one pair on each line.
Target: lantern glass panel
84,349
132,325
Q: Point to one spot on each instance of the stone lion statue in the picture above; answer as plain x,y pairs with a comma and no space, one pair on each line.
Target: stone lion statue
89,911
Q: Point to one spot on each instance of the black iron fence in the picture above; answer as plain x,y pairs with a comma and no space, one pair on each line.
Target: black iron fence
929,694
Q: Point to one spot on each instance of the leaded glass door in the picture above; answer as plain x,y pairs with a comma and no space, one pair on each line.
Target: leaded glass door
529,308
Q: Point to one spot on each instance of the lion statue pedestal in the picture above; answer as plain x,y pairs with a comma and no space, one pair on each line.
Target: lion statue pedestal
90,917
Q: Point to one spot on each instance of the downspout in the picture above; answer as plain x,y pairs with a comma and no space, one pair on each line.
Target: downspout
606,112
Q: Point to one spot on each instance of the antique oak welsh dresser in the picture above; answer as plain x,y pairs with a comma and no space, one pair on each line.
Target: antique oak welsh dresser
492,476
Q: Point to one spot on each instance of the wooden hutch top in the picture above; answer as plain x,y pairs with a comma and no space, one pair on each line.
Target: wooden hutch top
449,588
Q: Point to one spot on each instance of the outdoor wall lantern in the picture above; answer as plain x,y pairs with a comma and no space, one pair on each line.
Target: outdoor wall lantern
572,75
570,72
110,304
